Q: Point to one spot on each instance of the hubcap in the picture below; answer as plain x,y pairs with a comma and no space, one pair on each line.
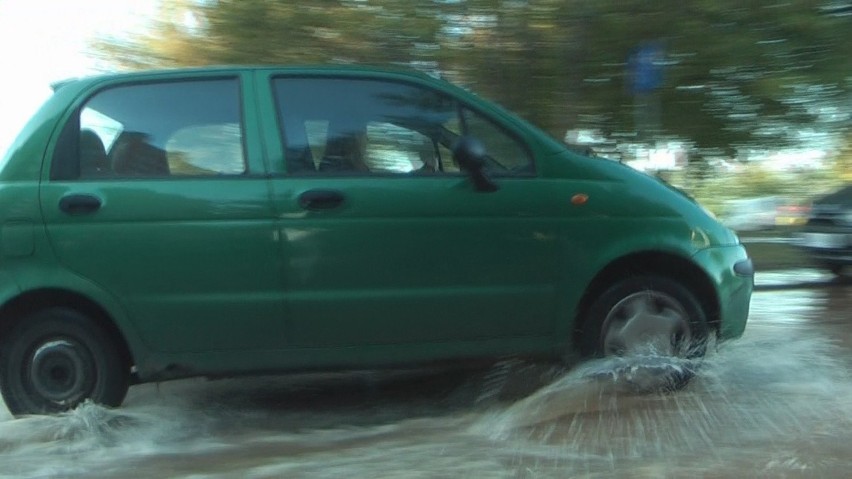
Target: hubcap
646,323
59,371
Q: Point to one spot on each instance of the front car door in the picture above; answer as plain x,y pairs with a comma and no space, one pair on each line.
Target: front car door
385,241
157,194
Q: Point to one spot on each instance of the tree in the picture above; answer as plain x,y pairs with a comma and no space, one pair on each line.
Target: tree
735,74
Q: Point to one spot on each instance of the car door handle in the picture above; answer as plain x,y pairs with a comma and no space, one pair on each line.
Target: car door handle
79,204
321,199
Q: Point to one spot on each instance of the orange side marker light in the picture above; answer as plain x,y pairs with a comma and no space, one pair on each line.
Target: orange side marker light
579,199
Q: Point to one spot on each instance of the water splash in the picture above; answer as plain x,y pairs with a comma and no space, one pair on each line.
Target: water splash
773,404
776,400
90,438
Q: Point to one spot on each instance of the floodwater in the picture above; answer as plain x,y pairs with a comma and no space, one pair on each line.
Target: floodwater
776,404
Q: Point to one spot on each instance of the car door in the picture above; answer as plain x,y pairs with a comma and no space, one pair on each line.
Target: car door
384,240
157,194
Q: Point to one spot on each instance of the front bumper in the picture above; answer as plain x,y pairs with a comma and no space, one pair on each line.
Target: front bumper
732,273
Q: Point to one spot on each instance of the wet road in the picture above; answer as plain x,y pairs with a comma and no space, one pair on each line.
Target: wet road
776,403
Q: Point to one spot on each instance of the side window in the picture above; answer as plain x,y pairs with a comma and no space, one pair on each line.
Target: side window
150,130
445,156
206,150
354,126
395,149
506,154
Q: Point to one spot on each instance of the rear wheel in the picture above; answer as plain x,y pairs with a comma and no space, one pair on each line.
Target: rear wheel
55,359
647,316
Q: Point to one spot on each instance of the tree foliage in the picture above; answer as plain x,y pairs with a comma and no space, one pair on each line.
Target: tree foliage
736,74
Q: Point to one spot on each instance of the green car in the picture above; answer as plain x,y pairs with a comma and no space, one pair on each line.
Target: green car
228,221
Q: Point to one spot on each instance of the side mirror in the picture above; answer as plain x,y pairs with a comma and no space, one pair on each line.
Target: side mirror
469,153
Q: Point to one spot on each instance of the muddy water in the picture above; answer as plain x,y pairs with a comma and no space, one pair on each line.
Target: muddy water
777,403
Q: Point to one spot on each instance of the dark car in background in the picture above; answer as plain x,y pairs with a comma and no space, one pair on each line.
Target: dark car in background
827,236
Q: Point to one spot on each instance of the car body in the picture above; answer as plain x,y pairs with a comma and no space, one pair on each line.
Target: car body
792,215
237,220
827,236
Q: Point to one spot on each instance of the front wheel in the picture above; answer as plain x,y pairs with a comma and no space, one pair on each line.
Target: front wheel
647,316
55,359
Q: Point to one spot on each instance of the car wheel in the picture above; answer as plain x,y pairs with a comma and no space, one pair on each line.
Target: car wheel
648,316
55,359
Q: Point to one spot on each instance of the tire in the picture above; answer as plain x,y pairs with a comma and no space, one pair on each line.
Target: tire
57,358
651,317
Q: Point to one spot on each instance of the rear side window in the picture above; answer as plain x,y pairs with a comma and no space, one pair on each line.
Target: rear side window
155,130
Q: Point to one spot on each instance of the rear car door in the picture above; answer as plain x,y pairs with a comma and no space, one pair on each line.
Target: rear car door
157,193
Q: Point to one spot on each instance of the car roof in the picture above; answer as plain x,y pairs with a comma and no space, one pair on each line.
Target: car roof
232,69
842,196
